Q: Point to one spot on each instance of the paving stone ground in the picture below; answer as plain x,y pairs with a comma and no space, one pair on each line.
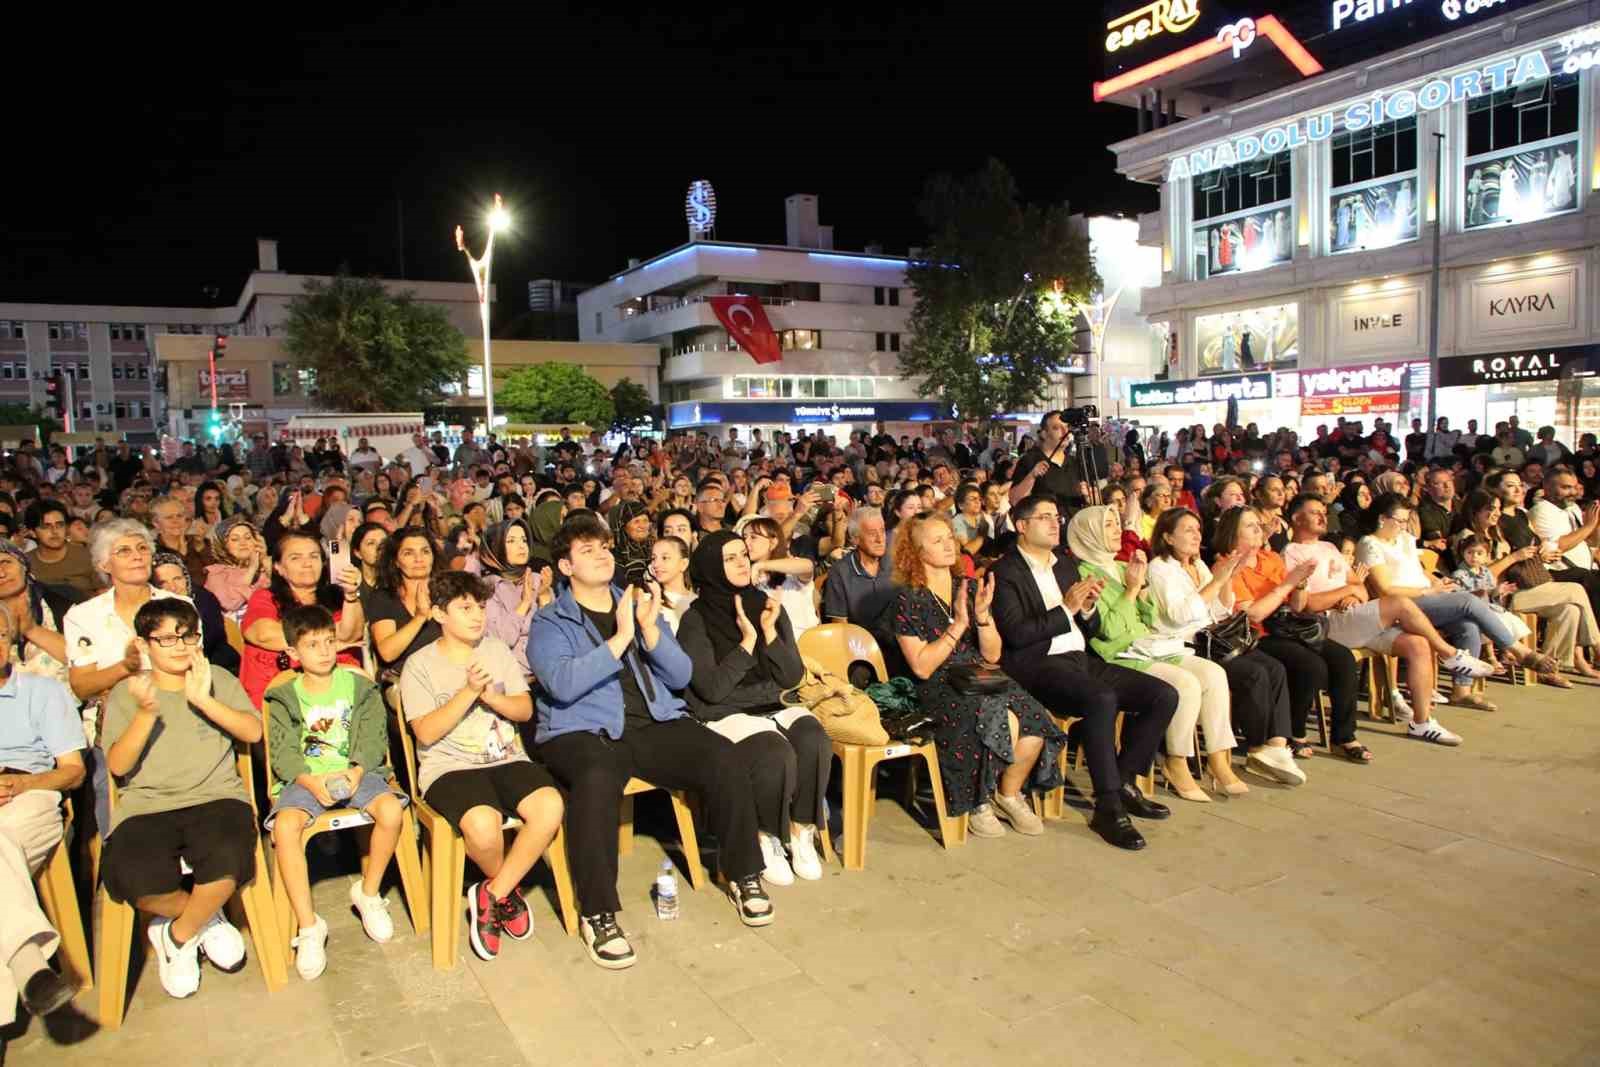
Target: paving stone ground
1437,906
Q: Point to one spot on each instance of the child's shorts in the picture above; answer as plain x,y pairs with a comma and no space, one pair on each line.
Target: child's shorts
217,839
298,797
501,786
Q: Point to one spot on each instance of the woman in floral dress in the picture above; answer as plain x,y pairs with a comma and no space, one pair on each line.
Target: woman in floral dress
992,746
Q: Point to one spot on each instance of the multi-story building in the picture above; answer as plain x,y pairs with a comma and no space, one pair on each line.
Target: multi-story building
117,356
1299,211
840,318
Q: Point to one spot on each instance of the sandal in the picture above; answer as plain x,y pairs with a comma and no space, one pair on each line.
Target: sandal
1540,663
1302,748
1355,752
1471,700
1555,680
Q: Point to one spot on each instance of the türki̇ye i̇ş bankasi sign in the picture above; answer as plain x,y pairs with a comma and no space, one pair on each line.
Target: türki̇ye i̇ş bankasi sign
1577,50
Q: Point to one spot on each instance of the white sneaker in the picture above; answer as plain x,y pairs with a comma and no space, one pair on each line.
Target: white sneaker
1019,813
1277,764
1434,731
981,822
311,950
777,869
1464,663
803,854
222,944
1400,705
374,912
180,967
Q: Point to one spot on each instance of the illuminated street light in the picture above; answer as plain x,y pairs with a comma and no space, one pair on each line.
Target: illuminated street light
499,220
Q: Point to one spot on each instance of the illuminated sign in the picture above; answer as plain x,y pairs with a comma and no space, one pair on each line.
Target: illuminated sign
1361,10
759,413
1158,16
1370,111
1374,378
700,206
1201,391
1527,365
1365,404
231,384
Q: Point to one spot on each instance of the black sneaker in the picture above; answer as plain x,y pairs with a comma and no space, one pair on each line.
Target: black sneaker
483,921
755,907
605,941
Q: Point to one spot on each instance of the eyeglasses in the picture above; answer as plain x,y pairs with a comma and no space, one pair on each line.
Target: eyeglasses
131,551
171,640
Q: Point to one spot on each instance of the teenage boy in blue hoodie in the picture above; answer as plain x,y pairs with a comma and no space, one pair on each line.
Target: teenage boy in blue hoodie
606,711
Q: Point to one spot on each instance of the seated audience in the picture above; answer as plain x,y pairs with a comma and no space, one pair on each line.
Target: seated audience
464,696
298,577
778,574
57,560
170,736
400,617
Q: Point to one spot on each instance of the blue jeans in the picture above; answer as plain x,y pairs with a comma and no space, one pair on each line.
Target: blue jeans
1465,620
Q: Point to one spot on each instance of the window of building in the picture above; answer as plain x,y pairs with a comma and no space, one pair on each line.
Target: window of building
83,372
85,410
1522,153
144,372
804,340
888,342
10,330
19,371
1248,215
5,370
55,330
886,296
1373,198
116,372
120,409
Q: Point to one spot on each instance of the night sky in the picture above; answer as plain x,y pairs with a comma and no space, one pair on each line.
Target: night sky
148,156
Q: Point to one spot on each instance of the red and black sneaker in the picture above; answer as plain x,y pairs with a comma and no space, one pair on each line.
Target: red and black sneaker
515,919
483,913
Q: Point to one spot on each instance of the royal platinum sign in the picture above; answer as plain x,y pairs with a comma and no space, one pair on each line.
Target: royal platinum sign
1527,365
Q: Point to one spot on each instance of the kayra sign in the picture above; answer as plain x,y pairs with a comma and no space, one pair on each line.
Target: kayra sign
1159,16
1359,115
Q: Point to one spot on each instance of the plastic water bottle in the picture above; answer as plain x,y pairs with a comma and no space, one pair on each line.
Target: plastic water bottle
666,892
339,787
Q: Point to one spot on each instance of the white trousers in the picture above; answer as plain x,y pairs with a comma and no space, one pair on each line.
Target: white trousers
30,827
1203,697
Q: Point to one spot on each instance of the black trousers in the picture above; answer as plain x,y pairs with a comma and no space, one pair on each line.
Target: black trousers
680,754
1331,669
789,772
1085,686
1260,692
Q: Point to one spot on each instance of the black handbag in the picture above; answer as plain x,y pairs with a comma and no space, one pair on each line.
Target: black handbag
1308,628
1222,641
977,681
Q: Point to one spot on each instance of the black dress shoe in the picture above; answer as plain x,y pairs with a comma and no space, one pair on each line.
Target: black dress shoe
1137,805
46,993
1116,828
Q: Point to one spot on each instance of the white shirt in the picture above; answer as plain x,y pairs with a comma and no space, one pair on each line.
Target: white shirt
1550,522
1180,609
1400,556
1044,576
95,634
799,603
366,457
418,459
1331,571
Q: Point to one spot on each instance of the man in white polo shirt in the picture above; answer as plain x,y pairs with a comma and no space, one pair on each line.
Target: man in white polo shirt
1559,524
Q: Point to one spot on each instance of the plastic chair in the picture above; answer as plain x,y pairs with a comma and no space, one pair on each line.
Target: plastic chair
681,808
118,926
1429,558
836,645
1380,672
58,896
406,856
444,863
235,635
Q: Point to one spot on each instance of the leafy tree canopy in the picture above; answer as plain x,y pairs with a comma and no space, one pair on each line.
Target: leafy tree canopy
998,291
554,392
370,350
632,404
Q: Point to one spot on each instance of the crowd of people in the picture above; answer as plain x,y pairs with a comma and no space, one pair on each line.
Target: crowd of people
554,621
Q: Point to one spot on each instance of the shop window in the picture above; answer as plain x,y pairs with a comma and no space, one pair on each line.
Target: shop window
1373,201
1522,153
740,388
1251,340
282,379
869,388
803,388
1247,215
804,340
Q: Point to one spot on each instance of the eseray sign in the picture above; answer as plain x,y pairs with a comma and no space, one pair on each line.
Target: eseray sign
1379,108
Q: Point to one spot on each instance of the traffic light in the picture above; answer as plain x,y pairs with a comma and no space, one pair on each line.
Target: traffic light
55,396
219,346
214,426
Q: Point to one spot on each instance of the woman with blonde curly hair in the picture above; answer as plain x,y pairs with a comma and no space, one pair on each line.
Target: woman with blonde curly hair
993,744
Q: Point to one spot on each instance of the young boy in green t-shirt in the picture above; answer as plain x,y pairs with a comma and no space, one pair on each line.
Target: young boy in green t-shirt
329,740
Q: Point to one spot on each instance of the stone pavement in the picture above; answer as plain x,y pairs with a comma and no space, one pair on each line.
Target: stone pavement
1435,907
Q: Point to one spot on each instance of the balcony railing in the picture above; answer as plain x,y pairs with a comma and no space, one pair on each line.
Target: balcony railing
627,313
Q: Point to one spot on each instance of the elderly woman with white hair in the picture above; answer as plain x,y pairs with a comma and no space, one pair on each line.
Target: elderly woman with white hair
99,633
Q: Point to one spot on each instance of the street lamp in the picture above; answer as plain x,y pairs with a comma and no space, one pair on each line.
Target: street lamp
499,219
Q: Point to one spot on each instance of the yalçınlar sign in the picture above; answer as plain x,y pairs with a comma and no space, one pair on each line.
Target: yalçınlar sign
1431,95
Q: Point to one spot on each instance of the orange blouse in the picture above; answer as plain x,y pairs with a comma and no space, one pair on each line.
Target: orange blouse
1255,583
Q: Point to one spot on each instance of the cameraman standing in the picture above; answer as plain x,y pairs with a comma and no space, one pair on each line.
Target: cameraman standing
1047,468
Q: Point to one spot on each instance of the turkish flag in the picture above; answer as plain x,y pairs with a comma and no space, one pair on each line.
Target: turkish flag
746,321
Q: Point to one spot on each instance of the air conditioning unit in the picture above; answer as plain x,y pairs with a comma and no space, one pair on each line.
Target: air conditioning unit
101,409
104,427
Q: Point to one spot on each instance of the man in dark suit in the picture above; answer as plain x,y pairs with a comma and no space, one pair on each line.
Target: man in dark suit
1045,614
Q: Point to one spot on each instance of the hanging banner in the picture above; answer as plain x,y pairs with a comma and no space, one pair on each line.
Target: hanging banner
231,384
746,322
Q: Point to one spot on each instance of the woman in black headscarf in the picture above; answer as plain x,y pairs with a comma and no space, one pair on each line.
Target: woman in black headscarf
543,522
633,541
745,656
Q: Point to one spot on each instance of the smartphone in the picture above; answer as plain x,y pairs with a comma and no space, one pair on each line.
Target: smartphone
824,493
338,557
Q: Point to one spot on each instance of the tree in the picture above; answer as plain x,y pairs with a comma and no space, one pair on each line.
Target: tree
632,404
552,393
370,350
998,289
22,415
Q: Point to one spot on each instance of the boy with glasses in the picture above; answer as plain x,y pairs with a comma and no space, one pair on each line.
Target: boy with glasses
170,736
